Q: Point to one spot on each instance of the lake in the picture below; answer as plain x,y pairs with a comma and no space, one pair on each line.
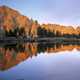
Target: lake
40,61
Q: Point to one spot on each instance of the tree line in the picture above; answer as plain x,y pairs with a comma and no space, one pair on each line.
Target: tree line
41,32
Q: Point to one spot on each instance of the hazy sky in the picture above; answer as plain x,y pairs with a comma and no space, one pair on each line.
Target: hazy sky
53,11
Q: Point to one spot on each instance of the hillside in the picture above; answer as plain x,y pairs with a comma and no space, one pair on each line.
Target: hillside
11,19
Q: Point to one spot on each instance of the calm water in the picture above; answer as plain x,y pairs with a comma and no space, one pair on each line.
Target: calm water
40,61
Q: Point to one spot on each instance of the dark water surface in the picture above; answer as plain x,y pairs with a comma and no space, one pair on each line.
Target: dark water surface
40,61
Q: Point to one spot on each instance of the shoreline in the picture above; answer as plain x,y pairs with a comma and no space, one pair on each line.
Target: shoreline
13,40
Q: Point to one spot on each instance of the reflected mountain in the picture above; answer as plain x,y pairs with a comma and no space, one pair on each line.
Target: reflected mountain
11,55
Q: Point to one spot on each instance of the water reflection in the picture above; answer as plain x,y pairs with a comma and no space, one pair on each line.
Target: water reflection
11,55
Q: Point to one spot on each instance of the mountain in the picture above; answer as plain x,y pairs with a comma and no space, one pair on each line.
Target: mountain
10,19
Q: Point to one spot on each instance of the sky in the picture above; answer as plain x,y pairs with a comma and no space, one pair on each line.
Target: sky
66,12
